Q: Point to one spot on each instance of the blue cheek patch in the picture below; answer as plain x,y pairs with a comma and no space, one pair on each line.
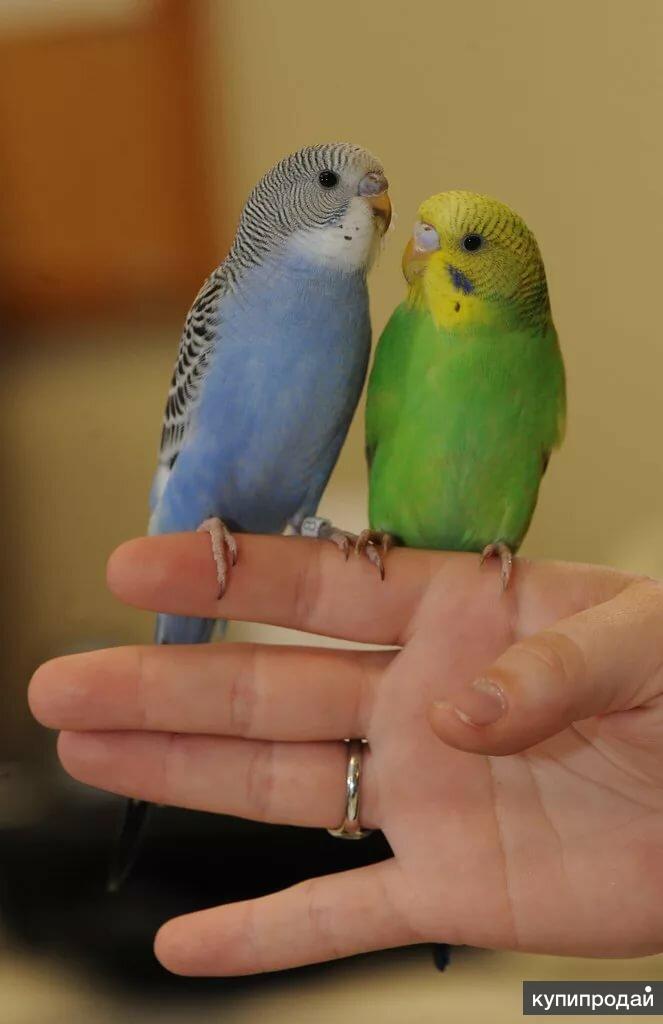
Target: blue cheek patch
459,280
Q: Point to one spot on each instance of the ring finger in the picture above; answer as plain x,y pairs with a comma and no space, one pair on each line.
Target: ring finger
281,783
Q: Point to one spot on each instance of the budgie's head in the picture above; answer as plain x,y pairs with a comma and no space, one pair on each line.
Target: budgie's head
472,260
328,204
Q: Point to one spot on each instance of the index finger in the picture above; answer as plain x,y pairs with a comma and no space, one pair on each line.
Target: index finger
283,581
307,585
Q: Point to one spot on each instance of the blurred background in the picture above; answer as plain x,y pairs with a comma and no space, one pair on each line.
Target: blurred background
130,134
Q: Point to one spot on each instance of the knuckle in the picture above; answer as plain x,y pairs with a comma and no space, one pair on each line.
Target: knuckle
319,915
255,937
260,781
243,698
308,587
174,767
143,669
368,672
557,655
648,588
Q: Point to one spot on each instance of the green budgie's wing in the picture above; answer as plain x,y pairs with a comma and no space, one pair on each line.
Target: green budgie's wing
557,400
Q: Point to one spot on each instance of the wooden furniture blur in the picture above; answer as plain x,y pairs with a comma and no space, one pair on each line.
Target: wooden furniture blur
103,191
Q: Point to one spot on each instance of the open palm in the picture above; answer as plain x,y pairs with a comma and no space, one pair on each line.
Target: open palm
524,812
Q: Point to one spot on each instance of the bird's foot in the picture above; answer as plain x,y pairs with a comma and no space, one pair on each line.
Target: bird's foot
224,549
324,529
505,555
343,540
374,544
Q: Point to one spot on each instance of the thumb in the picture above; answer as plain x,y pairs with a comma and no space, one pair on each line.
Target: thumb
607,658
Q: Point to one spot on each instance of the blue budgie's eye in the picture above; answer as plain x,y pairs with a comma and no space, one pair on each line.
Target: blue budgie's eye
328,179
472,242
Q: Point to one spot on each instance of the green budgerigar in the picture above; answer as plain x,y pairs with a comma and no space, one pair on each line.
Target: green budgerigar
466,399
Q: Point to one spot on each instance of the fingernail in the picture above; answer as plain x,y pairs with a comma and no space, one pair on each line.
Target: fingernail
481,704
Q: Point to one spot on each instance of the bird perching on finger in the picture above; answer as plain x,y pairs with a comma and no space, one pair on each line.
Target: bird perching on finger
466,397
271,364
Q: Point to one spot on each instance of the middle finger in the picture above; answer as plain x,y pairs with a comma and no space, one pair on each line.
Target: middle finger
250,690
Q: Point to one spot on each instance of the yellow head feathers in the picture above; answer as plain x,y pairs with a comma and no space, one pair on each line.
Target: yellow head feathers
473,261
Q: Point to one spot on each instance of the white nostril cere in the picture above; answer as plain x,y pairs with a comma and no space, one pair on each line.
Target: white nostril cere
426,238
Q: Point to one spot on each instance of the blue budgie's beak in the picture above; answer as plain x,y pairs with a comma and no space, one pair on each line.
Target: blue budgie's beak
373,188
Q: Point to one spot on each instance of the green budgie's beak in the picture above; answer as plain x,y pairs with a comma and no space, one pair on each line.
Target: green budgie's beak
423,243
414,261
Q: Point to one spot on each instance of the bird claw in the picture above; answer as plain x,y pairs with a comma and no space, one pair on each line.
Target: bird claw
374,544
224,547
343,540
505,555
319,528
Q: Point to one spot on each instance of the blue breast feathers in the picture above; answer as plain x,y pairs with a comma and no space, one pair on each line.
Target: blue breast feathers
282,386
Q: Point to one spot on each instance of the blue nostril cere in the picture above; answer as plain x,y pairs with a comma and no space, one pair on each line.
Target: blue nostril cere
459,280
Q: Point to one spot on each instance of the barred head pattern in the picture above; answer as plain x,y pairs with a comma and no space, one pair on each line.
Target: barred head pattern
290,197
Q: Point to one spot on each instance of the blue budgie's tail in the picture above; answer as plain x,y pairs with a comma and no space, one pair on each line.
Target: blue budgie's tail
181,629
127,844
170,629
441,955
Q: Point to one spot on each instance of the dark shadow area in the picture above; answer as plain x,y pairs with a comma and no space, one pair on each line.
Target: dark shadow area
53,876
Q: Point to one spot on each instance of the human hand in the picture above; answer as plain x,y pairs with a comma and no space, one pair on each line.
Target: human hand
540,829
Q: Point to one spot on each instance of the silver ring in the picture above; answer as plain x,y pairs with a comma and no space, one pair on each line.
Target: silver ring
350,828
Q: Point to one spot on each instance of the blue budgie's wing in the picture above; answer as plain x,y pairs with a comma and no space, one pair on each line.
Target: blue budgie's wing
197,343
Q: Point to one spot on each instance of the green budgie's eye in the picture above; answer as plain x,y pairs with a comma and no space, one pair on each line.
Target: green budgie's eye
472,242
328,179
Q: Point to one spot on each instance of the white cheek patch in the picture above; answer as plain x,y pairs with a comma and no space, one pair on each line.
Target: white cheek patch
350,243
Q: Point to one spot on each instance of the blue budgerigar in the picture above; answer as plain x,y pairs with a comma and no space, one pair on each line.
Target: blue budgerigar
271,365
